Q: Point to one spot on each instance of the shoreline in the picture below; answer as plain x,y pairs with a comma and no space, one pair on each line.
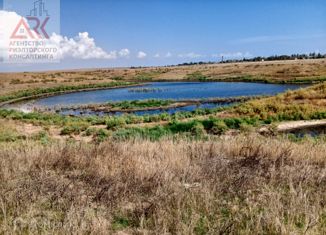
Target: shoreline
45,95
51,94
175,104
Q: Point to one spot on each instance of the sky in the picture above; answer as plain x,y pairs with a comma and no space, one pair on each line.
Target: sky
163,32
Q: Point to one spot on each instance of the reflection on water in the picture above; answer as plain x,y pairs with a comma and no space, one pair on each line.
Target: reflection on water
157,90
170,90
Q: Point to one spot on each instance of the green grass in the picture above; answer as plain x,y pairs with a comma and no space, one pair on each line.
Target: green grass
145,76
193,128
242,117
120,223
114,121
9,135
276,112
308,80
75,128
140,104
196,76
303,104
249,78
250,116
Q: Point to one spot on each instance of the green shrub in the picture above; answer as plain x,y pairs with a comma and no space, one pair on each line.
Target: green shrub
43,137
197,129
140,104
245,127
117,78
102,135
153,134
120,223
196,76
115,123
8,135
75,128
219,127
134,119
90,131
165,117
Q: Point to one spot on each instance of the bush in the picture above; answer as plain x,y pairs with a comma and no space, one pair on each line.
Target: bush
75,128
165,117
115,123
43,137
244,127
134,119
219,127
102,135
153,134
90,131
198,129
133,104
196,76
177,127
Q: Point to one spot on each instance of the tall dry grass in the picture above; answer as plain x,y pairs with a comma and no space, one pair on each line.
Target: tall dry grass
246,184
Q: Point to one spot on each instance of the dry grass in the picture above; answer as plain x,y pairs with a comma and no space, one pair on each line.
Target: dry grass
244,184
298,104
274,71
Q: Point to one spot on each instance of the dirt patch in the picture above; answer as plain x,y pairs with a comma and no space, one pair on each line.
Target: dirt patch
295,125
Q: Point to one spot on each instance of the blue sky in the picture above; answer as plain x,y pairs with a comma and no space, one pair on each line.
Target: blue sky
179,31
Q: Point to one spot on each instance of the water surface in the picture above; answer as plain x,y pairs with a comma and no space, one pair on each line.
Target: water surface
167,90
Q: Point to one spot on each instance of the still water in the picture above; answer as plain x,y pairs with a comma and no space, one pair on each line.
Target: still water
167,90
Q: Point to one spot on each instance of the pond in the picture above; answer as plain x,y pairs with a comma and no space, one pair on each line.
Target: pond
161,90
167,90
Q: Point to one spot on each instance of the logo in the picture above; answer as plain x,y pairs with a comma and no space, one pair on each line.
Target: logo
33,18
30,38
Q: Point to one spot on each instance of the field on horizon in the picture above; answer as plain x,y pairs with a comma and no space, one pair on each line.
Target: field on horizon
291,71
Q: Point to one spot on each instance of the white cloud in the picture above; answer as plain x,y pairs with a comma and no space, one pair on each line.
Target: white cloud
157,55
190,55
233,55
11,20
7,29
141,55
84,47
124,53
168,55
81,47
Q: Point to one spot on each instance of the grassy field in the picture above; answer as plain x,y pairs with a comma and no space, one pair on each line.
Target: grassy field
294,71
240,185
203,172
303,104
